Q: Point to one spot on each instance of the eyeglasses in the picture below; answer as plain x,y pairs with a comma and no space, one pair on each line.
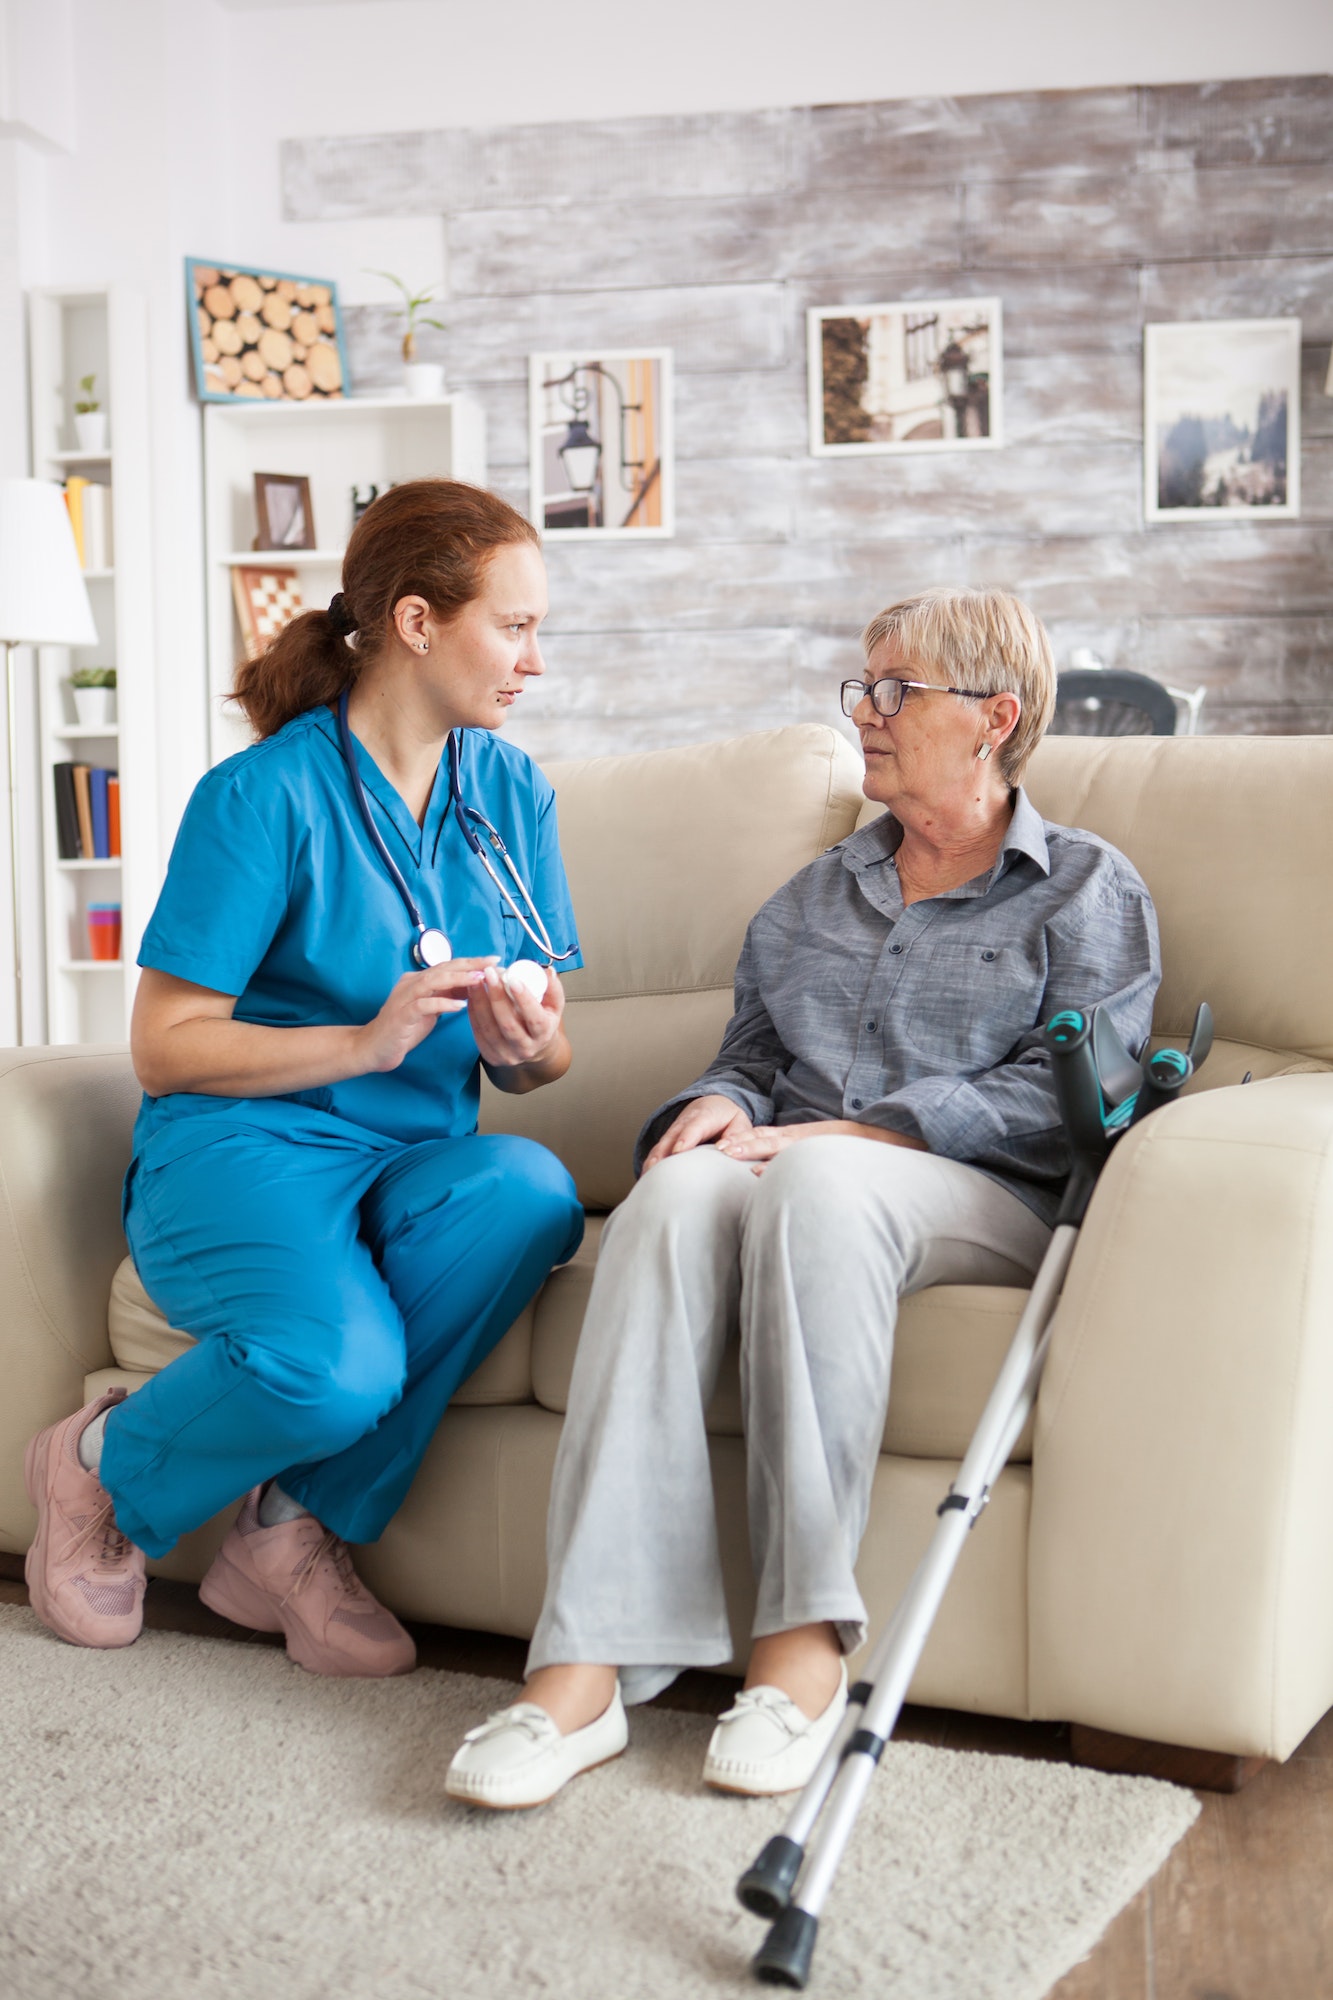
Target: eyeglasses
887,694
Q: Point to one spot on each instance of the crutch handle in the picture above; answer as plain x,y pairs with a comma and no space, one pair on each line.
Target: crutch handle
1078,1091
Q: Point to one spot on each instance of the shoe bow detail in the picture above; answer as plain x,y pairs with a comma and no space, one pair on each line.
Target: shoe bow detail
524,1715
770,1702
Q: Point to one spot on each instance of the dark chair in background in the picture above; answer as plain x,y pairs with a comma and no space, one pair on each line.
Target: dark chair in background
1104,701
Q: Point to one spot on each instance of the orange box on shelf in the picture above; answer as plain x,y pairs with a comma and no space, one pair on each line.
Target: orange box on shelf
104,930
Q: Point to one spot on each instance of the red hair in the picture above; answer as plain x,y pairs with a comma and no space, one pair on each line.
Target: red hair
430,538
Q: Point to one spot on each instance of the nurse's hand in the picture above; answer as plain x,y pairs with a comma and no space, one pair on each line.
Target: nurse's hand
520,1036
416,1004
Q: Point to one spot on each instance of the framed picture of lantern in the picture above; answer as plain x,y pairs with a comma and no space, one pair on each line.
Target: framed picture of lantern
919,375
264,336
601,455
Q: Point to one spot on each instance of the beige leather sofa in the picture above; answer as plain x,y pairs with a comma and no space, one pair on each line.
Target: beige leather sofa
1158,1557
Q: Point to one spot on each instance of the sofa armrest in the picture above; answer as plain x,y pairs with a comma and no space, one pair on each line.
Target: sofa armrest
1181,1556
66,1116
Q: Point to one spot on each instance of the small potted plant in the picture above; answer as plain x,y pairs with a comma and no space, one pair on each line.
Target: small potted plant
94,690
89,418
423,379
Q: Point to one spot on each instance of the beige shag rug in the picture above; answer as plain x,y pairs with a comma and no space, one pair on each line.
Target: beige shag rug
196,1819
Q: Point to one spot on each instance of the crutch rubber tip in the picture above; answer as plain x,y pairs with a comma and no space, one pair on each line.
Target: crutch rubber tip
784,1957
765,1887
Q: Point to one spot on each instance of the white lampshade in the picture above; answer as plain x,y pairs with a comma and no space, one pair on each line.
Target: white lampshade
43,598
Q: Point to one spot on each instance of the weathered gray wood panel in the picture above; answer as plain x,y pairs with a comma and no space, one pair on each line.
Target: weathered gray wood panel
422,173
1124,218
1244,288
979,138
1088,212
737,239
1265,121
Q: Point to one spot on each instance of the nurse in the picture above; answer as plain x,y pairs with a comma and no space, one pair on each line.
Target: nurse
309,1195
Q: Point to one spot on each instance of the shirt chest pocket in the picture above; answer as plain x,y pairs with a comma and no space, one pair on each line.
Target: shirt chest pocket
966,1003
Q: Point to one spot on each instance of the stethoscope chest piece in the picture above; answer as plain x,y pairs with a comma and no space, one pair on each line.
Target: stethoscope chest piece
432,947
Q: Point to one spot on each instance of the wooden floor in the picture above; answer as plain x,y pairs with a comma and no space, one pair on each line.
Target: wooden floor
1242,1910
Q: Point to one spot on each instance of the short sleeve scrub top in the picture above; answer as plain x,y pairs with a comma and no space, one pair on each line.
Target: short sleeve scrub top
343,1256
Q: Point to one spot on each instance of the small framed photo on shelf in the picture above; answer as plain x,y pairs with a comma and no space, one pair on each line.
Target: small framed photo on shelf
601,452
1222,420
918,375
267,598
283,512
264,336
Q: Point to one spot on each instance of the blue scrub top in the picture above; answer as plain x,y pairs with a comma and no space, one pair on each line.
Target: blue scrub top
274,893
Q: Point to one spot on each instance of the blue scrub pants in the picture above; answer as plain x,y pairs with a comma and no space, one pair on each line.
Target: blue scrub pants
340,1288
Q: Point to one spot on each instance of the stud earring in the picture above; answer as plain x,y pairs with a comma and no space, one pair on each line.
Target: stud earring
424,647
983,753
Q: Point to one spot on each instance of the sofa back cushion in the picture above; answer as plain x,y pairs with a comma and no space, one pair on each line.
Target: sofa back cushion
1234,837
669,855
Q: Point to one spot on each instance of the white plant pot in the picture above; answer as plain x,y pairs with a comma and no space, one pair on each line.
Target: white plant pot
423,380
94,708
90,430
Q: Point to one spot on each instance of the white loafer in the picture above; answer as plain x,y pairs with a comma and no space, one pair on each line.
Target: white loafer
519,1758
766,1744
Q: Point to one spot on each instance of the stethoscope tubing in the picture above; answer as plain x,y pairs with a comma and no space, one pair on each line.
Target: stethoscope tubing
469,819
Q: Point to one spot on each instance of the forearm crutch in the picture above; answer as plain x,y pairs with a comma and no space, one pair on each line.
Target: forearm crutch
1102,1091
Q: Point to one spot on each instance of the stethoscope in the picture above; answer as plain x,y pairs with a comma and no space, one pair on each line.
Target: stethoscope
430,945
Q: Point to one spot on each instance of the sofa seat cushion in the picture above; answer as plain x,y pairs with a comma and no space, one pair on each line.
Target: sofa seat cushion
950,1342
143,1341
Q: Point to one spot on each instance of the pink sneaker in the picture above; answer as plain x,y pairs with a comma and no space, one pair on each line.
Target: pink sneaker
297,1578
85,1579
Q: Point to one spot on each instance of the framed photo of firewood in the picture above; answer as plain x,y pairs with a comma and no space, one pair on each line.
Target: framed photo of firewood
264,336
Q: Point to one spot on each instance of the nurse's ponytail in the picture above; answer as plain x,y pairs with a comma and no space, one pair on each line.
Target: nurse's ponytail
430,538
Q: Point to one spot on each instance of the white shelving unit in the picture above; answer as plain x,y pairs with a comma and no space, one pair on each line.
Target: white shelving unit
362,441
102,332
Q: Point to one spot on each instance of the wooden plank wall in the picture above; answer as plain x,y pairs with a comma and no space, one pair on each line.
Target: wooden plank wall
1090,212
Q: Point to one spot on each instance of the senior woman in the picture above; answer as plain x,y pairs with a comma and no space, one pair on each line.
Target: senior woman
880,1117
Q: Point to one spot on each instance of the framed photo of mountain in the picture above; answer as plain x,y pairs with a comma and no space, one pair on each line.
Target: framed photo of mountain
1222,420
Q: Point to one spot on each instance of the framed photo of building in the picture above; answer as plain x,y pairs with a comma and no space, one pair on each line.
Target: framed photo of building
264,336
1222,420
919,375
601,453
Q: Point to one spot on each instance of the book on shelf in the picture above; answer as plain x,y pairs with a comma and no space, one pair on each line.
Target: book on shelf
89,505
83,799
97,800
87,812
67,813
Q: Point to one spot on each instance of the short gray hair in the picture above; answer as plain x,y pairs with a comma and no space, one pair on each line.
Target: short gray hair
986,641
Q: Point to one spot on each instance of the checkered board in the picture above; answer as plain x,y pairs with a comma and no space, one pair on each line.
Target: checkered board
266,600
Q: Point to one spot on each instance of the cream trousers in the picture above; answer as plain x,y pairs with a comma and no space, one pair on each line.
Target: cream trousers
808,1262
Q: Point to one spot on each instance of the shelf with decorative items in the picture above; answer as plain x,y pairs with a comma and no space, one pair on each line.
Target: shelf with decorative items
96,703
294,476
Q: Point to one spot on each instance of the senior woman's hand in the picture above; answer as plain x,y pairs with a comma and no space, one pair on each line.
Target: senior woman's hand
762,1143
703,1120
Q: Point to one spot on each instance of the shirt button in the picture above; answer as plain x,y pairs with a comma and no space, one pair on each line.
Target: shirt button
870,1027
895,947
856,1104
988,956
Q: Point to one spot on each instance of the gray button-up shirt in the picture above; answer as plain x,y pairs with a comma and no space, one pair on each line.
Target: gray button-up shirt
928,1020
